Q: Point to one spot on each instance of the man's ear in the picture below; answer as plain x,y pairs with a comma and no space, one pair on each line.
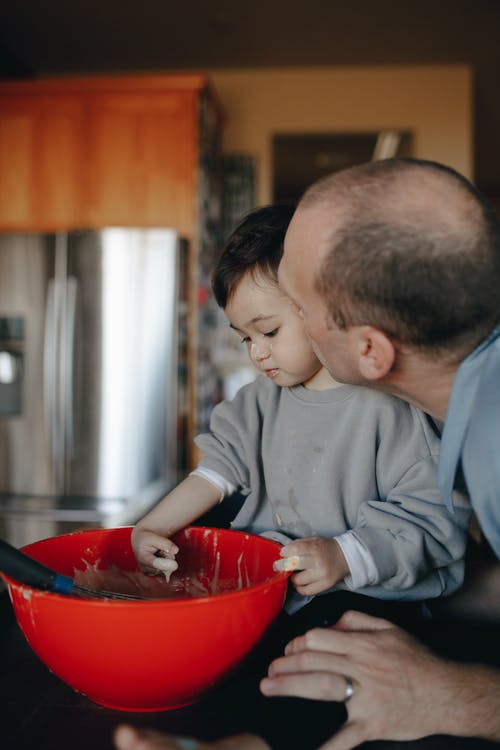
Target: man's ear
376,353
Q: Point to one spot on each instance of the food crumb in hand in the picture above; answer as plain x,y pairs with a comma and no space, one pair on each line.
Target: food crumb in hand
166,565
287,563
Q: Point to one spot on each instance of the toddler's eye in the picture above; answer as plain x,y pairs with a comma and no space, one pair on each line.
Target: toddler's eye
245,340
272,333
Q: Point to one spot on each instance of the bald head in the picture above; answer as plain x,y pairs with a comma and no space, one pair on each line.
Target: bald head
409,247
400,192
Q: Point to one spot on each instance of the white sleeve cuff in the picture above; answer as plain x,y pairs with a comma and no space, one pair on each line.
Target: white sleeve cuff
216,479
363,571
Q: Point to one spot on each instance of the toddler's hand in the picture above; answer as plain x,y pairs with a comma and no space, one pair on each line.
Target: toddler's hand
320,561
150,547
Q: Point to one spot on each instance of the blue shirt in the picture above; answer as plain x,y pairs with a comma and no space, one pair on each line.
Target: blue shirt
471,436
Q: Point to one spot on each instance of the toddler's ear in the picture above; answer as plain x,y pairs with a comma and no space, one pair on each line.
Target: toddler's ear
376,353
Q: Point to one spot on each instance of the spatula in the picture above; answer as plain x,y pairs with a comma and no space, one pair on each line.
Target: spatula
25,569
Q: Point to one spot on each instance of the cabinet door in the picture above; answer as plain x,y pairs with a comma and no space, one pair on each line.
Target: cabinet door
41,183
141,159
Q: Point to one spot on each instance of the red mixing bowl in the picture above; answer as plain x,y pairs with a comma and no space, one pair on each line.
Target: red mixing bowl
157,654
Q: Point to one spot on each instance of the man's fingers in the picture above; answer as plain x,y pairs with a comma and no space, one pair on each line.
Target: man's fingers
310,661
353,620
130,738
124,737
322,686
329,640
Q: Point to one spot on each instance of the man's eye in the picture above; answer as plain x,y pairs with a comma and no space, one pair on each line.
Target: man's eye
272,333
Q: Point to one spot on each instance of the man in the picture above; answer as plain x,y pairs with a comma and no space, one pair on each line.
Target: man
395,267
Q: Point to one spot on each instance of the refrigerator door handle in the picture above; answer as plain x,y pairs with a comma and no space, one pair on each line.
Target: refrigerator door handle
55,322
50,378
67,390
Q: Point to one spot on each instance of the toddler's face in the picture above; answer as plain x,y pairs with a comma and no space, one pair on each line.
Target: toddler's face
270,326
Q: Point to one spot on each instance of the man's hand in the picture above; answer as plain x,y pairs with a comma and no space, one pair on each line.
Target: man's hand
401,690
320,560
149,546
129,738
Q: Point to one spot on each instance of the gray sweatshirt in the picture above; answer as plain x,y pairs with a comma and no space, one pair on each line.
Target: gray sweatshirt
320,463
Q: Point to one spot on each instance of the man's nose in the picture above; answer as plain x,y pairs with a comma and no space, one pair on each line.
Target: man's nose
259,351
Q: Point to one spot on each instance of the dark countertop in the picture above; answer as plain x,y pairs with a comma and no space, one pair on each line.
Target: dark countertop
40,712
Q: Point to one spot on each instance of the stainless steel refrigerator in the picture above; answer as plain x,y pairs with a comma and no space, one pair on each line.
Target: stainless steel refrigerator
88,378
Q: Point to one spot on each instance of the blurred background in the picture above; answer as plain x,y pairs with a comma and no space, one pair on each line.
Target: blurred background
186,115
158,35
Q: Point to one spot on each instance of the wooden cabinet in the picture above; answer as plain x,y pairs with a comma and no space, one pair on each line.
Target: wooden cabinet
142,158
41,149
100,151
128,151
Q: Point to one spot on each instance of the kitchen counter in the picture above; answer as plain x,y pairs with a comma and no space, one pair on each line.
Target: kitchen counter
40,712
27,518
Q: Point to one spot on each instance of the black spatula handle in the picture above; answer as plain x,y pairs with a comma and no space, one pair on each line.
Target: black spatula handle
24,569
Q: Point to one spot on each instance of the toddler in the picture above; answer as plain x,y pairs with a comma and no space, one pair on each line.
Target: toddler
345,475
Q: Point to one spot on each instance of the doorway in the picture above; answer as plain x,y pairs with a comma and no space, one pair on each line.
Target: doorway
301,159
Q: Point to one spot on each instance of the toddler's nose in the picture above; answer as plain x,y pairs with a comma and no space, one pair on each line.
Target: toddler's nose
258,352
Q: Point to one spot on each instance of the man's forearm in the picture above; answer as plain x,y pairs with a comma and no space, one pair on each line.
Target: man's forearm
474,705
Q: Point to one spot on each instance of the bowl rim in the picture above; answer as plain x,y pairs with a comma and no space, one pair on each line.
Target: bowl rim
24,589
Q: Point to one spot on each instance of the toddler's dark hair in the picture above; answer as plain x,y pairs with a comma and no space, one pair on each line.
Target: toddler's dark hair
255,245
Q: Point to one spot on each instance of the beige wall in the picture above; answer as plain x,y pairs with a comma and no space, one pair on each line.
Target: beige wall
434,102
